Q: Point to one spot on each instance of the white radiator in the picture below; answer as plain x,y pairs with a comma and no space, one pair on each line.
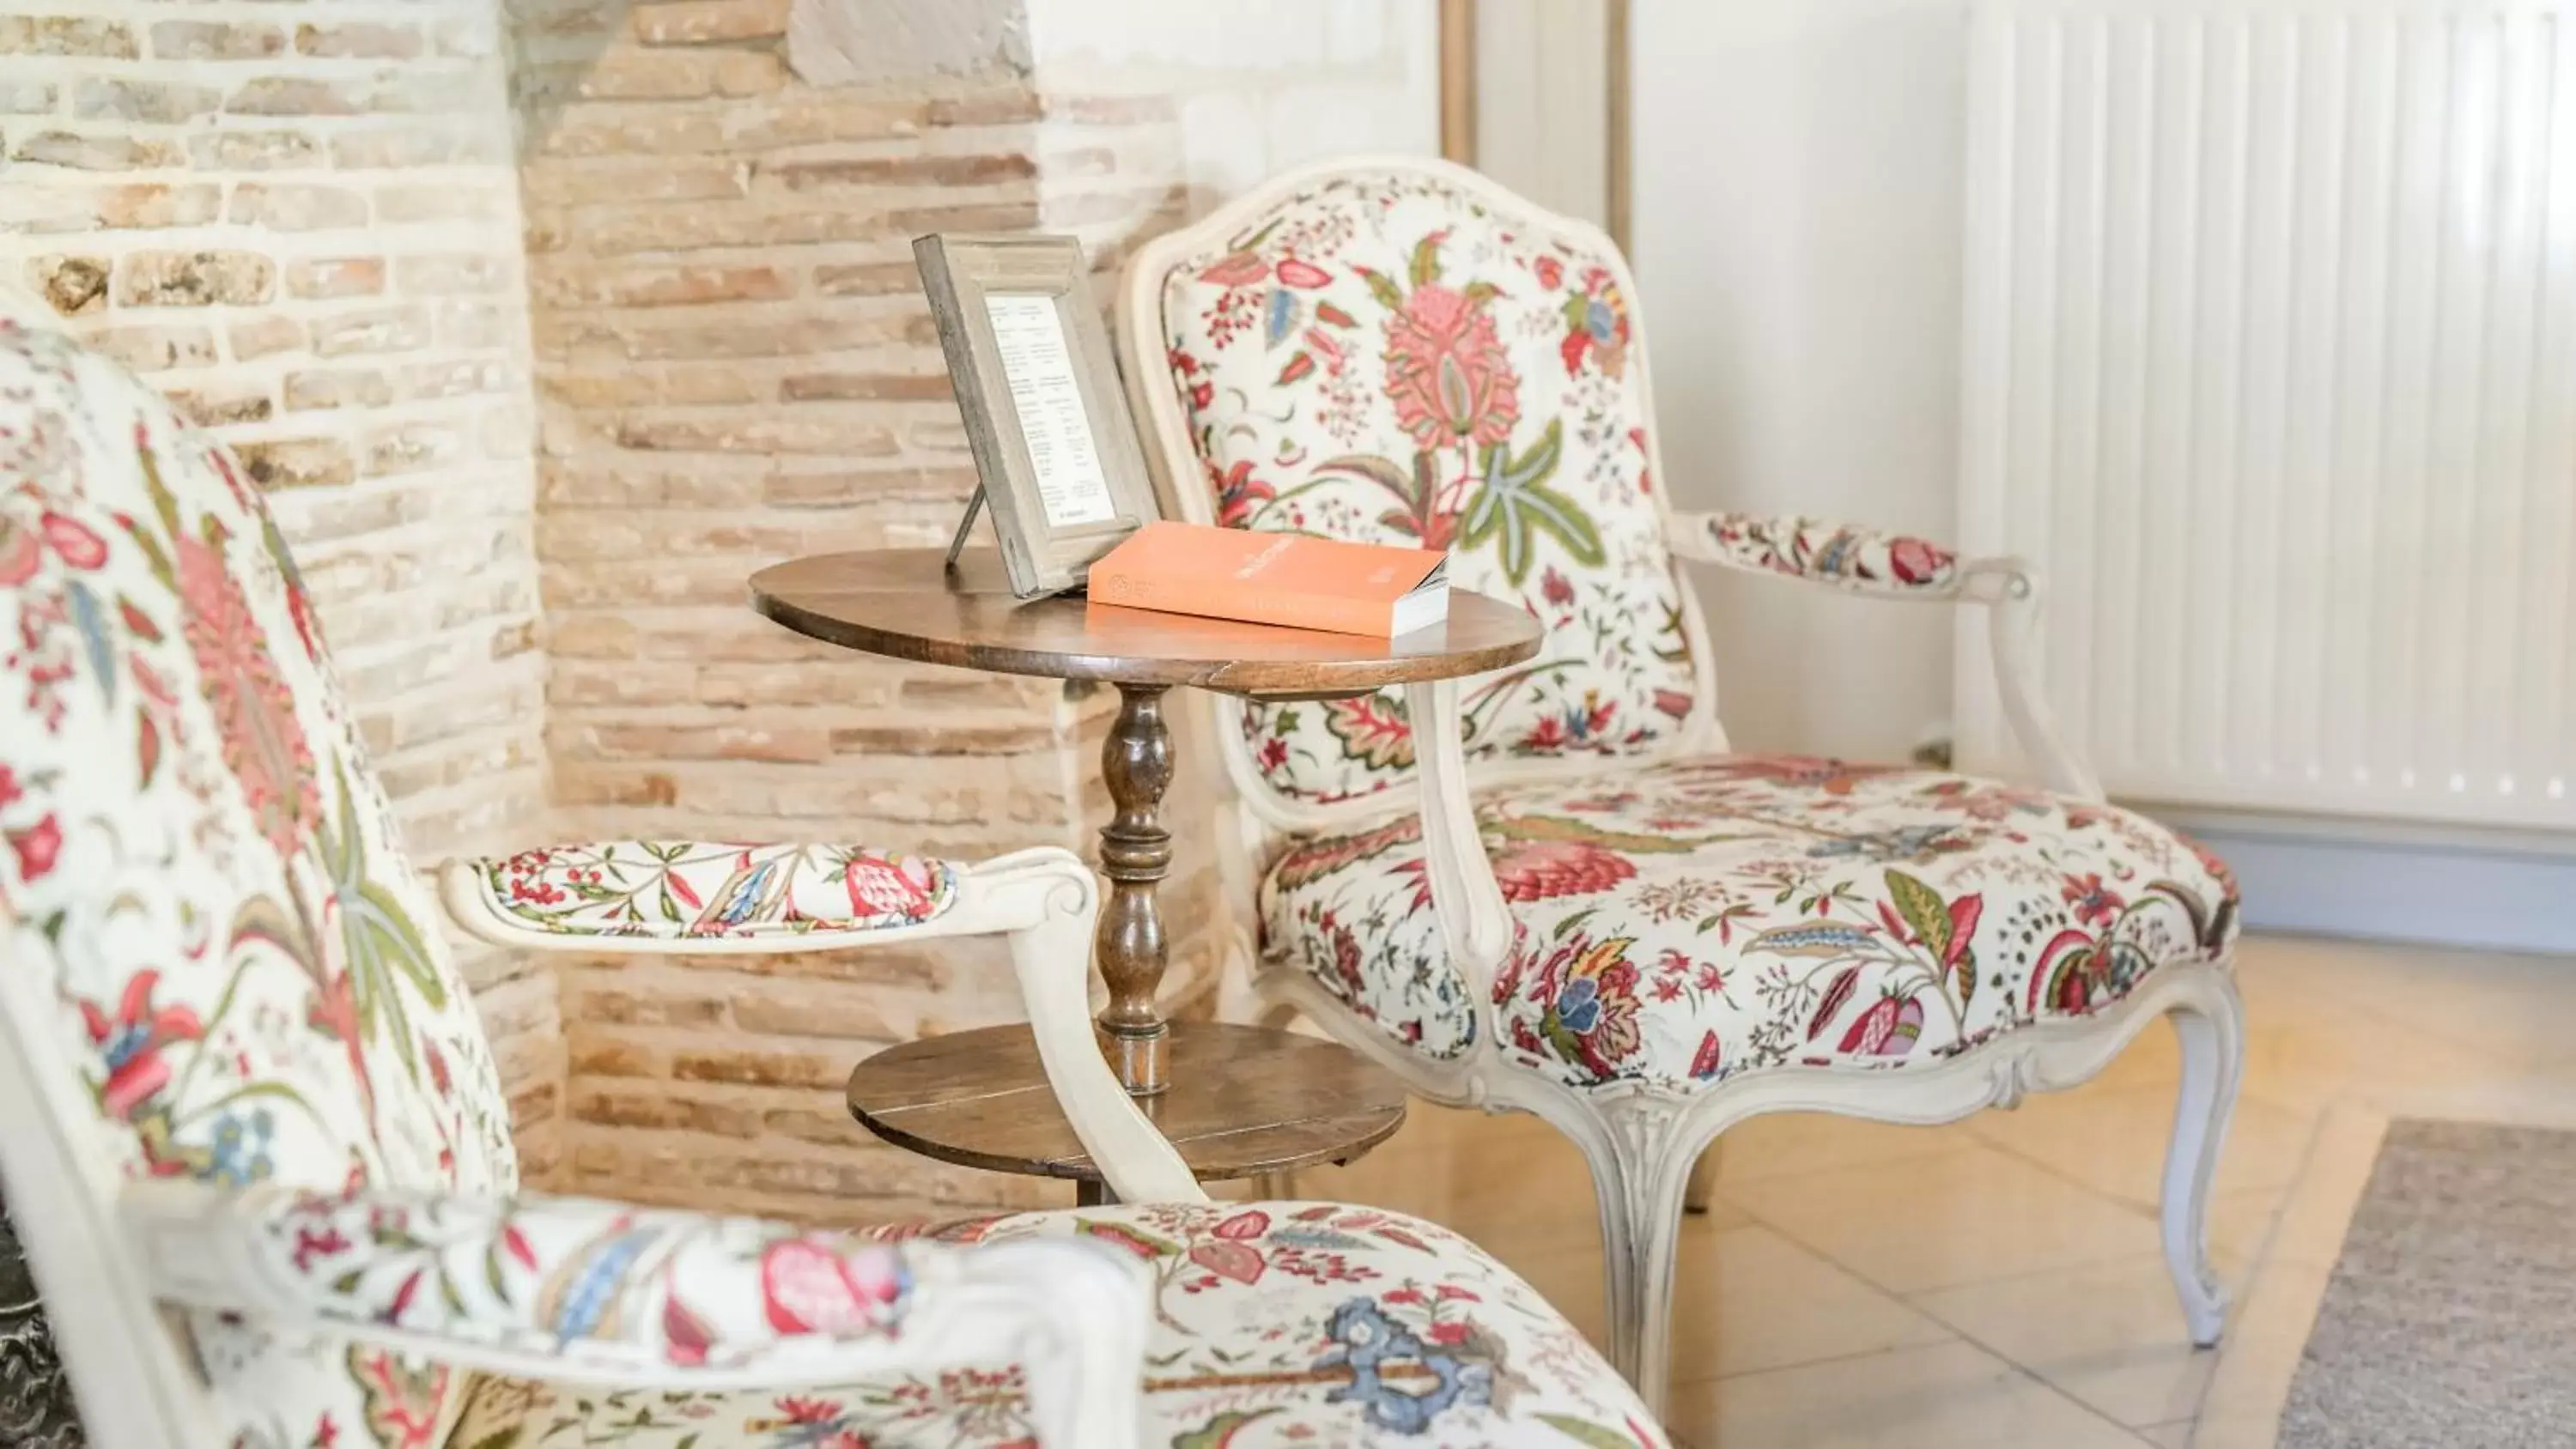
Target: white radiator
2270,363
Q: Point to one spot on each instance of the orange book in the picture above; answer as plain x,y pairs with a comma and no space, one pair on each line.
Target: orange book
1275,578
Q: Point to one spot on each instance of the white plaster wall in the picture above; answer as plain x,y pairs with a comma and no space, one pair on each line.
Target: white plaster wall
1797,219
1259,85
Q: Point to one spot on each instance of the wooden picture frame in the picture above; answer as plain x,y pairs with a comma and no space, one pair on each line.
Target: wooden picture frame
1055,447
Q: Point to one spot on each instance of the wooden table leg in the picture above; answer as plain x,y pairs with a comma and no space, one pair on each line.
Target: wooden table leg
1135,853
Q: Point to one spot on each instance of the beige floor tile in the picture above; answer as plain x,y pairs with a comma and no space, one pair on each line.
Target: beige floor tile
2114,1141
1936,1222
2240,1226
1753,1300
1946,1396
2111,1336
2170,1436
2252,1382
1794,1142
2270,1330
2505,1006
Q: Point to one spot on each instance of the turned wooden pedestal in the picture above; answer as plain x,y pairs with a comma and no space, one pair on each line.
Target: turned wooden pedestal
1236,1100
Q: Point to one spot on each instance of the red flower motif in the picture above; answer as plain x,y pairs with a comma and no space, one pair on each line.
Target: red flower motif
2093,903
1704,1062
1550,272
1556,588
1238,269
1230,1254
23,549
881,888
807,1287
38,847
809,1411
1538,870
1918,561
1890,1028
1238,494
1293,272
264,742
131,1043
1447,373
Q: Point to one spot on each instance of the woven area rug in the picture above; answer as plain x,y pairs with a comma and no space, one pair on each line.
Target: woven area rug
2451,1316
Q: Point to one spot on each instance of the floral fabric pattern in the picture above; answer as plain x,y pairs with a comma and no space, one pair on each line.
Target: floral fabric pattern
210,923
1831,553
1683,923
1389,360
692,888
1276,1324
612,1286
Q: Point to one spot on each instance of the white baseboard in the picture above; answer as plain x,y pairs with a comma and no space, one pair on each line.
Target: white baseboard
2506,891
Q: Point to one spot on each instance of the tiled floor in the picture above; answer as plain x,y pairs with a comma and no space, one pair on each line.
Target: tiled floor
1997,1283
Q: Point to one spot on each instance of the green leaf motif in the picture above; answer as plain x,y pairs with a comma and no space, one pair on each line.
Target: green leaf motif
1587,1433
1568,829
1217,1432
1514,505
1382,288
1426,259
384,945
1921,907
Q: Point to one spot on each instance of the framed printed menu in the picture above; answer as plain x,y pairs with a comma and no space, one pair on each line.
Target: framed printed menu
1055,448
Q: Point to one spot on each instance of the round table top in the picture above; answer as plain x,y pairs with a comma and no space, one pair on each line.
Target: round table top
1244,1100
906,604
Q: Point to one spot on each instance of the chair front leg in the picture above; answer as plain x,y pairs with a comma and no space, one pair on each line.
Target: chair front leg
2210,1028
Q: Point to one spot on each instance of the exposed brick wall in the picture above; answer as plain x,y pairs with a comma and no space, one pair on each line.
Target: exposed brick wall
302,223
734,367
309,223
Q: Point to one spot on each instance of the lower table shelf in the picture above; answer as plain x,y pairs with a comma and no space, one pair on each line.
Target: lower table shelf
1244,1100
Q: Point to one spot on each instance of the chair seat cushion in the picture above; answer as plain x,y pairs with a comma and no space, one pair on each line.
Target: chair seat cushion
1682,923
1305,1324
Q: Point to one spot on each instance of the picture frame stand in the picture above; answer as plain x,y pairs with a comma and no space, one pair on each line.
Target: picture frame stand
966,526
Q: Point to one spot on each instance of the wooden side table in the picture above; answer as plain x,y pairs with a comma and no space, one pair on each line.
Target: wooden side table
1236,1100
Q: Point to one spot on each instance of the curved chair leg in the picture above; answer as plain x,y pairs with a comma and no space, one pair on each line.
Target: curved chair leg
2211,1031
1638,1177
1701,1190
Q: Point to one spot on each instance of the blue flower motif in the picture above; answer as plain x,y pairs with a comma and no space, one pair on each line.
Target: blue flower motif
1280,318
1600,321
1905,843
1367,1342
1578,1005
241,1154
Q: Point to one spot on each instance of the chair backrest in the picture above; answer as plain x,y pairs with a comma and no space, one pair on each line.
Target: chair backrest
1399,351
214,961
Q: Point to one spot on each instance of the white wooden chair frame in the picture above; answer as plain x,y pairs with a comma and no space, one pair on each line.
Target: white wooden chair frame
1076,1320
1642,1141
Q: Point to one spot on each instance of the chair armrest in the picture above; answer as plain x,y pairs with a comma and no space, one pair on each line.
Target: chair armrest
699,896
1861,560
1900,566
590,1291
686,898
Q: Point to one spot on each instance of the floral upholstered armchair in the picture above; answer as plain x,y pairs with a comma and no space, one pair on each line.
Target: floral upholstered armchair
260,1160
1555,889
